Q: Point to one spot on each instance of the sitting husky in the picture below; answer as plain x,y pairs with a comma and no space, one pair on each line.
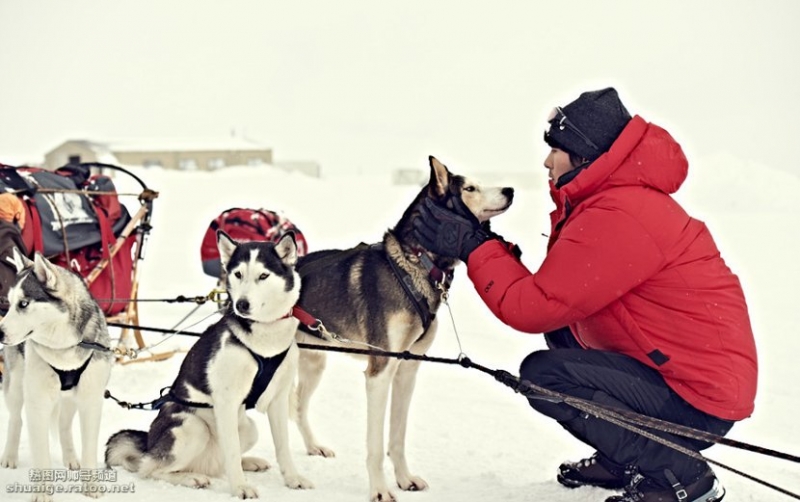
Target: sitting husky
58,362
385,296
247,359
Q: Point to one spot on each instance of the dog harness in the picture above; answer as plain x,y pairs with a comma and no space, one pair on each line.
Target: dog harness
70,378
267,366
438,276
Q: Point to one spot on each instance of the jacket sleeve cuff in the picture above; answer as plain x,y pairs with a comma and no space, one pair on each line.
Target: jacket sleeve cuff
492,268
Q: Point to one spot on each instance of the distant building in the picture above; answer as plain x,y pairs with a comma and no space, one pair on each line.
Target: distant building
309,168
169,154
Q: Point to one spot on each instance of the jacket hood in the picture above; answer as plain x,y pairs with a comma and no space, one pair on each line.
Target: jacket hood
644,155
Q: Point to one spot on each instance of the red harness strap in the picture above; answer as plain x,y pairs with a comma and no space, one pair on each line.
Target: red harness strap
304,317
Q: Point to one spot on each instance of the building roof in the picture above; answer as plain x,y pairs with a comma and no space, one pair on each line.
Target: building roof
184,145
101,150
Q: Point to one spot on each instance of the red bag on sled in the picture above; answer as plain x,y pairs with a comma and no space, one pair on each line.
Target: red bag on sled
73,230
112,288
246,225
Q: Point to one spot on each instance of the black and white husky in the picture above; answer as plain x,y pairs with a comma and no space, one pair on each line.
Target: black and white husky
58,363
385,296
247,359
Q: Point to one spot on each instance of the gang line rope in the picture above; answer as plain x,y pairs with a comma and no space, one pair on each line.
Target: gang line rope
623,418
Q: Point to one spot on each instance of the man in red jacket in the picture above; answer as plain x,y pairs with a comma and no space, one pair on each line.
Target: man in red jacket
639,310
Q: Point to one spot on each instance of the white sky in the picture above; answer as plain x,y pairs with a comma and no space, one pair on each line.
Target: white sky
358,85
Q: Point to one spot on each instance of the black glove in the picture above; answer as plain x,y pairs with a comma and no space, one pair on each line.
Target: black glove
450,233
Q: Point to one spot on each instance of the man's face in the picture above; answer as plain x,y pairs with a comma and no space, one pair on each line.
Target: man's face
557,163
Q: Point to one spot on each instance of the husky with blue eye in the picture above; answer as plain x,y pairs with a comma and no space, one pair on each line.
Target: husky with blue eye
58,362
248,359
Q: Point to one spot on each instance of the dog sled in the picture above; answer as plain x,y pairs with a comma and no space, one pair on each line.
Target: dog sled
73,216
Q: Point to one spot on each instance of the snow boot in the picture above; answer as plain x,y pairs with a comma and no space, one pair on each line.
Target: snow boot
596,470
706,488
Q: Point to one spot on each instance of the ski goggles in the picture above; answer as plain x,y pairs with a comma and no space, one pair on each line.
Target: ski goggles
563,122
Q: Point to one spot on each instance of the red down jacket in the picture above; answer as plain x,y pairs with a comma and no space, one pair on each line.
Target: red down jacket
629,271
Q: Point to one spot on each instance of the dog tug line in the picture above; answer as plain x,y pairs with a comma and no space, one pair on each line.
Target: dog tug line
635,422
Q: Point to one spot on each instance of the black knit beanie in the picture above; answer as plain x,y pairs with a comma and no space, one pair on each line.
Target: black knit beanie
599,115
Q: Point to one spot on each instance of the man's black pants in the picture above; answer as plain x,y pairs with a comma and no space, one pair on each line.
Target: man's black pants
617,380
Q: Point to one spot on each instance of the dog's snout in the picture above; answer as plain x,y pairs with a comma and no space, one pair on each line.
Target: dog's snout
242,306
508,192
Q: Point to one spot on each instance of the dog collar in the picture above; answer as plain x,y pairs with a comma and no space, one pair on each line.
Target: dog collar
301,315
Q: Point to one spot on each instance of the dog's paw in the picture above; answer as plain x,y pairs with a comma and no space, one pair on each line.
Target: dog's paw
194,480
254,464
382,496
412,484
8,462
297,482
321,451
72,463
245,492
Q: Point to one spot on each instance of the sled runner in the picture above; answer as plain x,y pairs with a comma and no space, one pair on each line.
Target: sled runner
74,217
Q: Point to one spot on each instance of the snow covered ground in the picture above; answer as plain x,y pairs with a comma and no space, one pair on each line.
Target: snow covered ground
469,437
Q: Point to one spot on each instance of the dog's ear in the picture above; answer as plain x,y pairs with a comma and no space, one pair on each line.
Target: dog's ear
45,271
19,260
226,247
287,249
440,178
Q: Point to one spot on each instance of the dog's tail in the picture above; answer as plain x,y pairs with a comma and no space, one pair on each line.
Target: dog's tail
126,448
